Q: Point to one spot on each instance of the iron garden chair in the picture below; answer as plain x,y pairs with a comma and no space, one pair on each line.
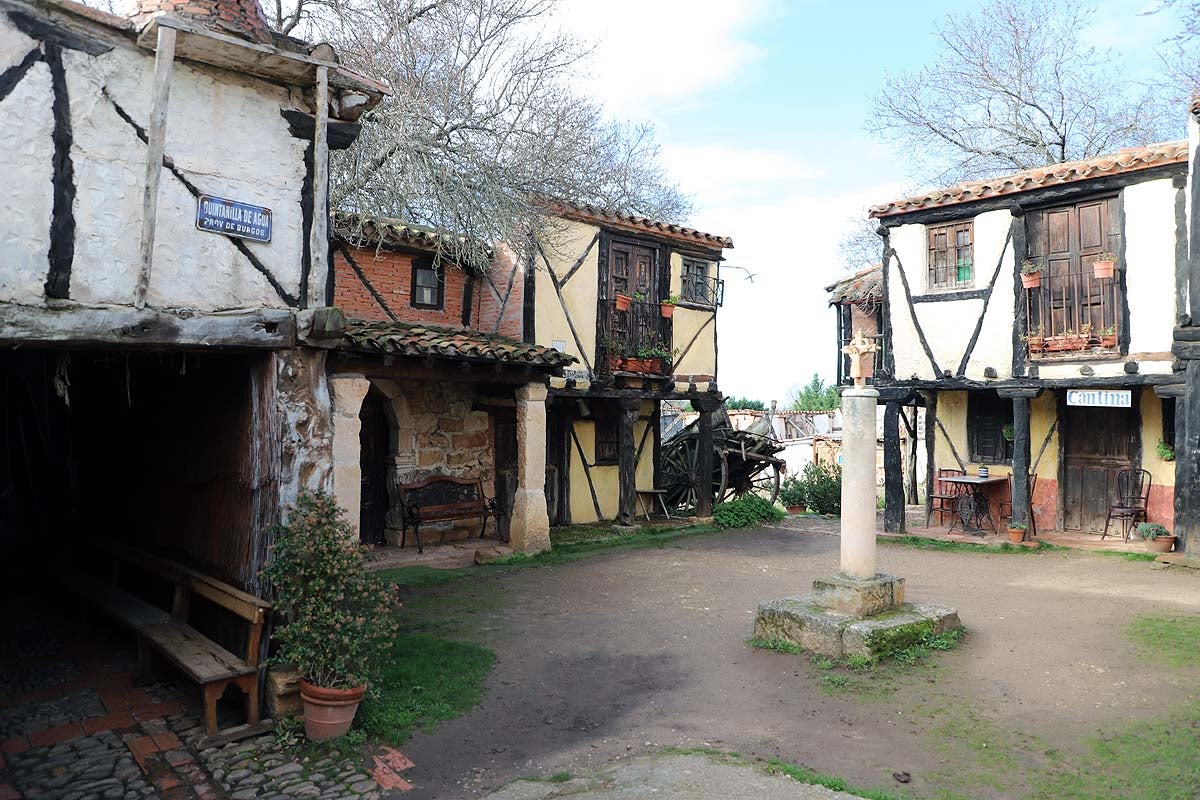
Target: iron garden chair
1133,494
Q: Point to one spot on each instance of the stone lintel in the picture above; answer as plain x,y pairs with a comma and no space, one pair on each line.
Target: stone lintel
858,597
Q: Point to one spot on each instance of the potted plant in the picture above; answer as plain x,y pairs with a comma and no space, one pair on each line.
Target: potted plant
1165,451
1031,274
1016,532
1108,336
623,301
791,494
1086,335
1007,432
339,622
1157,538
668,306
1036,342
648,360
1104,266
616,354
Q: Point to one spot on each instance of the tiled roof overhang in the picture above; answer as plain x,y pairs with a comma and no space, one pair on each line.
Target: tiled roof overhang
635,224
420,341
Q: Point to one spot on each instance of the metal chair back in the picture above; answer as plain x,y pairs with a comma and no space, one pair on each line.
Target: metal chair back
948,488
1133,488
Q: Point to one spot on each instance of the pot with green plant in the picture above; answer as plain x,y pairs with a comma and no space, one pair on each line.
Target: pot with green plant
1108,336
1165,451
667,307
1007,432
338,620
791,494
1104,266
1016,532
622,301
1031,274
1035,341
1157,538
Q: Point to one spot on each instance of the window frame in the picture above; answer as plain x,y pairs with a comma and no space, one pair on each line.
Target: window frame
709,300
606,424
998,412
952,281
439,271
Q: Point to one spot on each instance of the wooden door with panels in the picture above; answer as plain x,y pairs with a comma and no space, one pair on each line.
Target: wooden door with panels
1097,444
633,269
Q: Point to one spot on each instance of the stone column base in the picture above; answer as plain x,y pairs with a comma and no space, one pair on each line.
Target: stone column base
529,525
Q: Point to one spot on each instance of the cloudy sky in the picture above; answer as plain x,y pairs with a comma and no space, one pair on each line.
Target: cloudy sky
760,106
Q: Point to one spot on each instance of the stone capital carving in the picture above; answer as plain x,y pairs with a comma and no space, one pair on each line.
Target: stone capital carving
532,393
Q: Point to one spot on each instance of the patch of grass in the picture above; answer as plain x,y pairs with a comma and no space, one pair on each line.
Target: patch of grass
428,680
559,777
836,681
822,662
921,543
1126,556
1173,640
778,645
805,775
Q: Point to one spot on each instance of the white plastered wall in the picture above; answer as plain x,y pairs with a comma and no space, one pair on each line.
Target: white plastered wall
224,133
1149,210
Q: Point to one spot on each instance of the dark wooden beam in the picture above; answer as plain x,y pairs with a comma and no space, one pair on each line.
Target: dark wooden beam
579,261
1082,382
912,312
627,462
987,298
893,477
587,471
910,466
953,450
704,464
1187,464
1027,392
930,445
950,297
1020,463
1181,251
1020,304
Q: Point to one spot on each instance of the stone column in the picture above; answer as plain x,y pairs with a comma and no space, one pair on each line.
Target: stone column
529,525
627,463
858,482
347,393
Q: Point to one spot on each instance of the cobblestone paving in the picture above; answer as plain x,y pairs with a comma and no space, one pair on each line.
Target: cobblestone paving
261,768
98,767
24,719
16,680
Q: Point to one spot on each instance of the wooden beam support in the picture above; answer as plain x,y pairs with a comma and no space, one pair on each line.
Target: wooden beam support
704,460
910,467
893,477
156,139
318,246
627,462
930,445
1020,464
1187,464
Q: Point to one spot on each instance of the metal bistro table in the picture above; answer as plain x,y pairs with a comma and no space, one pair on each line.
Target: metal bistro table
974,506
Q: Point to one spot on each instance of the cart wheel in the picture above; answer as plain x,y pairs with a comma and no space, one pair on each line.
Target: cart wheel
765,484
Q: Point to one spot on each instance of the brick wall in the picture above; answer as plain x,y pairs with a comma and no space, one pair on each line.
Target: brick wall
390,273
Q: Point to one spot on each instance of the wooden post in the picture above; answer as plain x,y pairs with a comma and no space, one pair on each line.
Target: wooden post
318,244
910,464
627,462
893,474
1021,508
930,446
156,139
1187,464
704,458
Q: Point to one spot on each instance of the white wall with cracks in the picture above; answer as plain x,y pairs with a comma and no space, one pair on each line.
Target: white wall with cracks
225,136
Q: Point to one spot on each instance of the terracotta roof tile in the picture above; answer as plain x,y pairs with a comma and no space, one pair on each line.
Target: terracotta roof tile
361,230
401,339
632,222
866,284
1131,159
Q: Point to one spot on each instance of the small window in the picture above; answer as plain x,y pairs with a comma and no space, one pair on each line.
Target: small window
695,284
428,280
606,444
989,428
1168,421
951,256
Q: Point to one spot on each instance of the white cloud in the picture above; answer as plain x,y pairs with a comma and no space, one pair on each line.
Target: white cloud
654,52
727,172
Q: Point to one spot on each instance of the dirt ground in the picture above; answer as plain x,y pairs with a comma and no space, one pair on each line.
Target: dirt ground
633,651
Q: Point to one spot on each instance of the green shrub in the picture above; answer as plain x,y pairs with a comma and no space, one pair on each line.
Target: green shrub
340,618
822,486
749,509
791,491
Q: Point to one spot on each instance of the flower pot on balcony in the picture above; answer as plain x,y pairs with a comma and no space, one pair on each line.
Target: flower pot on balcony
623,302
1109,340
1036,344
647,366
668,310
1031,280
615,363
1103,268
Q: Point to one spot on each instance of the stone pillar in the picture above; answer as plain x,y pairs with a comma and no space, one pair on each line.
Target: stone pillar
529,525
858,482
893,478
347,393
627,463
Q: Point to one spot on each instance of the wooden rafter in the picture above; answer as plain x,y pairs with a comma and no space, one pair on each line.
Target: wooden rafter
587,472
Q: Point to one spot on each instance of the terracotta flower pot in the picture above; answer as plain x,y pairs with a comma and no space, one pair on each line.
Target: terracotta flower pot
615,363
1108,340
623,302
329,712
1163,544
1031,280
1104,268
668,310
1016,535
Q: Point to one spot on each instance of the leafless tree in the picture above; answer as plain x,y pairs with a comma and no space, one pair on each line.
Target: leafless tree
1014,86
484,124
861,246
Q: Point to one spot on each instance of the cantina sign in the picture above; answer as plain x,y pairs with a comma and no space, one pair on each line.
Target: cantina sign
218,215
1103,398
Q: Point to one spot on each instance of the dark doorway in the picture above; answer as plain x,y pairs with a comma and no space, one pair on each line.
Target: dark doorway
1097,444
505,425
373,441
558,466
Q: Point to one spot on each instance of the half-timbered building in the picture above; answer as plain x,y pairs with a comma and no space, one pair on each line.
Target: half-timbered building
1032,316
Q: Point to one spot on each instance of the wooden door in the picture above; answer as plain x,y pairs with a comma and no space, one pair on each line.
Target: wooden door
1097,444
558,467
633,268
505,426
372,462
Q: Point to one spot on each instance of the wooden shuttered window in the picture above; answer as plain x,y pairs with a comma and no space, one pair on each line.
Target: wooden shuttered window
951,261
988,415
607,441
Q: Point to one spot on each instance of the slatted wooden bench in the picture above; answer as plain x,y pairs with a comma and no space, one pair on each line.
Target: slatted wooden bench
168,633
443,499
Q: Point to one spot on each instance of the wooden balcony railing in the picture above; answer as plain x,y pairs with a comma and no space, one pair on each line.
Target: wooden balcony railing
1073,313
634,340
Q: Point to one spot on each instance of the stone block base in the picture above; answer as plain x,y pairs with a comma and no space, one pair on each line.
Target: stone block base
625,530
283,693
810,624
858,597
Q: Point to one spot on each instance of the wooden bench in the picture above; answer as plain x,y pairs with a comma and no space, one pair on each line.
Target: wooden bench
168,633
442,499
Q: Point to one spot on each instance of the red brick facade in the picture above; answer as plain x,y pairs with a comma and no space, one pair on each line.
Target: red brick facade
389,273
